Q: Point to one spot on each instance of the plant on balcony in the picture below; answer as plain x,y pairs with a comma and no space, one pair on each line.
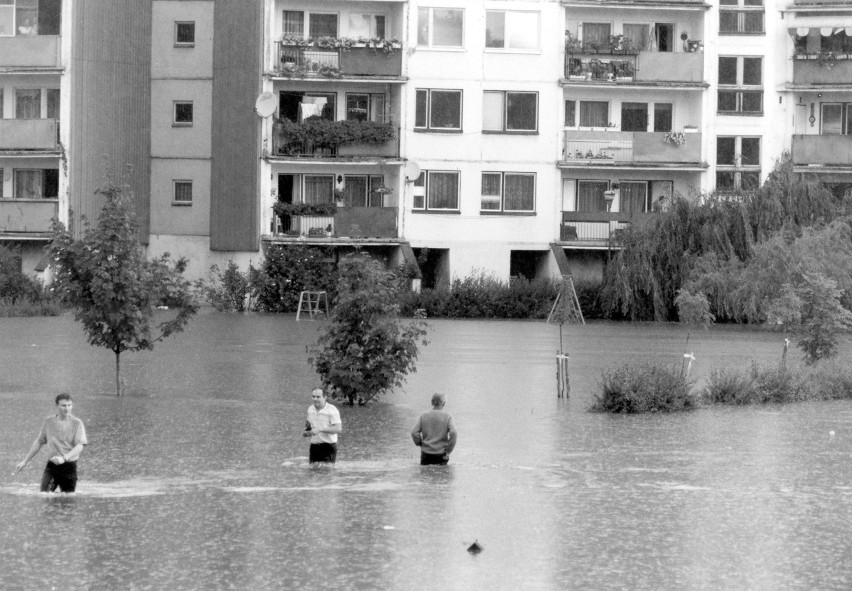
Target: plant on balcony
343,43
296,40
827,59
378,44
319,133
599,69
572,44
306,209
624,69
675,137
294,70
619,44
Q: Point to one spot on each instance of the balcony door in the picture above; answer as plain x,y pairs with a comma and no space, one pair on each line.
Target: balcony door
832,119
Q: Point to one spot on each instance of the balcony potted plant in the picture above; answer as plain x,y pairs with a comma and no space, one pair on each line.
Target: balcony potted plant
599,69
572,44
624,71
575,69
676,138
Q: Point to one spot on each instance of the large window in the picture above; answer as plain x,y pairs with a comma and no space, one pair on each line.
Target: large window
182,193
438,110
633,196
506,111
371,26
740,85
319,188
597,34
737,163
508,192
634,116
28,103
436,190
30,17
512,29
36,183
741,17
318,24
364,190
590,196
836,118
365,107
594,113
440,27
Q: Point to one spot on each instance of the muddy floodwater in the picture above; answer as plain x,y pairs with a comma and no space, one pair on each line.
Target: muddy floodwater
197,478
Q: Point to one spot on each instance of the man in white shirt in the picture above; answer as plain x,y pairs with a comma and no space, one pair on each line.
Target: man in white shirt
322,427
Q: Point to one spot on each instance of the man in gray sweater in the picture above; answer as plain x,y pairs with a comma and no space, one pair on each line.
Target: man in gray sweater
435,434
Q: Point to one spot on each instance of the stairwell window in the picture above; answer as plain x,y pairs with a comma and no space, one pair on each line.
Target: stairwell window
440,27
509,112
182,194
740,85
512,30
436,190
741,17
438,110
184,34
183,114
737,164
508,192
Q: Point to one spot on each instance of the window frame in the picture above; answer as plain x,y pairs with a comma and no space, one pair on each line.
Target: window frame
371,98
505,48
371,183
183,103
430,30
505,113
178,42
374,25
739,89
737,169
580,114
306,21
425,175
501,198
181,202
428,128
742,8
43,180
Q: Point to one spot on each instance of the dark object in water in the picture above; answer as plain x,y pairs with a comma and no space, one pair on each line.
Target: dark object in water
475,548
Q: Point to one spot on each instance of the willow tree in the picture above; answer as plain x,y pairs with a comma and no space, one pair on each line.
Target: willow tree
113,288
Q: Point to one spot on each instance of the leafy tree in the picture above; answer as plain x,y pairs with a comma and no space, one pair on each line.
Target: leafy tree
366,350
113,288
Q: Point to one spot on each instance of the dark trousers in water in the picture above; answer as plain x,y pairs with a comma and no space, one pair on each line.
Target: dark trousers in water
433,459
322,452
62,476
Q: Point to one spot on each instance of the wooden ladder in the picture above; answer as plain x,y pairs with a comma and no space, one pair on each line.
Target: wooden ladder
311,300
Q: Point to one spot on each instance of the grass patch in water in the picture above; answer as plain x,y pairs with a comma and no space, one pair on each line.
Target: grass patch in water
763,385
27,307
650,387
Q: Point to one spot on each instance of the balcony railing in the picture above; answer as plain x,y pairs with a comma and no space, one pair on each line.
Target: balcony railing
827,150
816,69
335,139
317,62
37,51
646,66
348,222
28,134
27,216
614,147
602,228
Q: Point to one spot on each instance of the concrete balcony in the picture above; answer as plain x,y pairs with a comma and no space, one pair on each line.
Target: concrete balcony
597,229
824,150
348,224
334,139
29,134
38,51
810,70
629,149
356,62
694,4
27,216
656,68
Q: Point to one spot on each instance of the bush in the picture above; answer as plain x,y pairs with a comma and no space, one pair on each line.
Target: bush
288,270
828,381
26,307
761,385
14,284
728,387
231,290
644,388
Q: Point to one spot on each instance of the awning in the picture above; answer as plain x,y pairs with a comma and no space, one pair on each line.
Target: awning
823,31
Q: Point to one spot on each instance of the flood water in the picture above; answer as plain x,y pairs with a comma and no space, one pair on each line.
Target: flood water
197,478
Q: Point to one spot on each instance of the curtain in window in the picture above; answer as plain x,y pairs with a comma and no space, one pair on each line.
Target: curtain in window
492,111
831,119
633,197
590,196
521,111
594,114
519,192
1,183
322,25
375,198
638,36
319,189
443,191
28,184
294,22
52,103
356,191
596,33
490,191
27,103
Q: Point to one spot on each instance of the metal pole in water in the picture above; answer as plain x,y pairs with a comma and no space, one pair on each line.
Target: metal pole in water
563,382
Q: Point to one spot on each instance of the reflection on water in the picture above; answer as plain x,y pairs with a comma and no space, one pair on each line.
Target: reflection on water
199,478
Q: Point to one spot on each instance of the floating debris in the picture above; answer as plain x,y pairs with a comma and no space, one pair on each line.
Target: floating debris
475,548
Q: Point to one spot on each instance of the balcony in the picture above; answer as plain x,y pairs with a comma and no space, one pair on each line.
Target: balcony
822,150
596,228
27,216
614,148
322,138
38,51
694,4
28,134
350,223
814,69
646,67
297,61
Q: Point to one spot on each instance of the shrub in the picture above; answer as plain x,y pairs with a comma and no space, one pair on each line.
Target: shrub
828,381
728,387
42,306
288,270
14,284
652,387
761,385
231,290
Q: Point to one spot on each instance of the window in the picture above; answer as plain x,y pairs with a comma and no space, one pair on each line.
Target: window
737,164
182,113
28,103
570,113
836,118
634,117
513,29
590,196
740,17
294,23
594,113
52,103
319,188
184,33
436,190
364,190
182,193
319,24
505,111
30,17
438,110
597,34
36,183
637,34
371,26
440,27
365,107
1,183
298,106
508,192
740,85
1,117
662,117
633,197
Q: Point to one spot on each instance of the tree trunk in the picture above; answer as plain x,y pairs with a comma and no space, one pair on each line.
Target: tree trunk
118,373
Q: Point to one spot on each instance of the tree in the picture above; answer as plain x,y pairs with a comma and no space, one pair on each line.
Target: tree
366,350
113,289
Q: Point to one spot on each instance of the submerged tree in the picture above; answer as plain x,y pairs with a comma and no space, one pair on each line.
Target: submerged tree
113,288
366,349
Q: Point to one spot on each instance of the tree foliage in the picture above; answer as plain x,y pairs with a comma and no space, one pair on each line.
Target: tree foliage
366,349
14,284
290,269
113,289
